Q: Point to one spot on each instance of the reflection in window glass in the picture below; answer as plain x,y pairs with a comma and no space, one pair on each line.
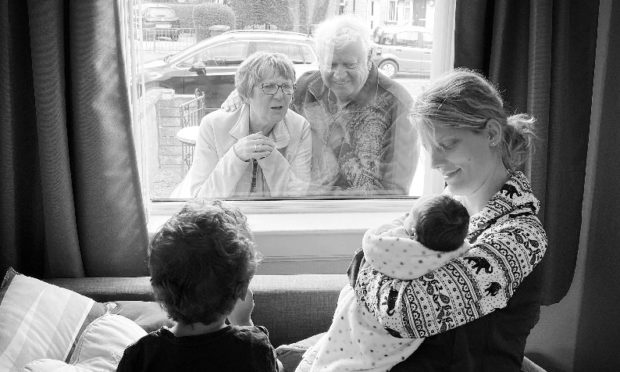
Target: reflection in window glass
224,54
156,12
296,52
353,144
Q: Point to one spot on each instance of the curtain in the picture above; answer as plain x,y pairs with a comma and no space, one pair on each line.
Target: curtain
70,195
541,54
601,227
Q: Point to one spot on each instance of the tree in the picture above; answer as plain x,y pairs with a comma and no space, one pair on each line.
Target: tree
210,14
262,12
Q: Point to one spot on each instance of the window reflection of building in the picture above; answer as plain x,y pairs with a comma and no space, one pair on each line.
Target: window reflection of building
392,13
402,12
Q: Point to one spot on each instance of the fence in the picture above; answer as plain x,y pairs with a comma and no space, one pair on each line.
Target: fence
191,112
167,39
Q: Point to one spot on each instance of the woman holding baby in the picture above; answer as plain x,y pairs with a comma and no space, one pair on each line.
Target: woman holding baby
475,311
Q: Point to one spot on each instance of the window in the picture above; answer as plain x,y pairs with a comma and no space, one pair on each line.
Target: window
298,53
392,14
224,54
155,12
406,38
407,12
177,81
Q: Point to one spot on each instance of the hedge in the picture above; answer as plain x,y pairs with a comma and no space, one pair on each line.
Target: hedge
186,14
207,15
262,12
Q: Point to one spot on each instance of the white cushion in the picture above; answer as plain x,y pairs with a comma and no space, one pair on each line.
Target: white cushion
38,320
99,348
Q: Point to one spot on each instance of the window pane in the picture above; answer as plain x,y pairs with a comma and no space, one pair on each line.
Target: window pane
159,12
185,71
224,54
296,52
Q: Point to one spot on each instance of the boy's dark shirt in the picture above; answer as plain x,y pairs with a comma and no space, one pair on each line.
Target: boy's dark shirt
232,348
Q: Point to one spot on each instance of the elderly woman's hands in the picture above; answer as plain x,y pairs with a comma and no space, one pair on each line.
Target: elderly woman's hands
254,146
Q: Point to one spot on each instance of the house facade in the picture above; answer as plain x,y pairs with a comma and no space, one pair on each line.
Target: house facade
391,12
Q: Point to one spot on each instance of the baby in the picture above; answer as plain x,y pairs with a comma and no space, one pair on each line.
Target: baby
431,234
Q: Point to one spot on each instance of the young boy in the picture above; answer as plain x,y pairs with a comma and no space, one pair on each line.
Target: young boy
201,263
433,233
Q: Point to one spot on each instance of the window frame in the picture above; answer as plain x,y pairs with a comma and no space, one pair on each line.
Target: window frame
364,211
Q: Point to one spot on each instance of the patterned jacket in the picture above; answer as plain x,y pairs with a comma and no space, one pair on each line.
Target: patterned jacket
368,147
507,241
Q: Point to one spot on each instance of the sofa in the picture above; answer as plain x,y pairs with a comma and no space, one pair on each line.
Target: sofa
296,309
84,324
292,307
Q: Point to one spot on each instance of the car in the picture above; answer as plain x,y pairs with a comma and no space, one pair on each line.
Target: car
158,21
402,49
209,66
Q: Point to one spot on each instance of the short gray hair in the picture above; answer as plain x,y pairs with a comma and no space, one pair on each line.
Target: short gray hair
338,32
258,66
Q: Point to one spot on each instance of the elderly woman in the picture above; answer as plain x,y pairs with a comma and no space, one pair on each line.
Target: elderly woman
362,140
263,149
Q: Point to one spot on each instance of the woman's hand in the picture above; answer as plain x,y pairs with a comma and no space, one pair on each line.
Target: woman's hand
254,146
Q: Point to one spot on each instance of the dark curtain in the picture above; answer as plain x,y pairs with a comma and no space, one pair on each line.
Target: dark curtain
599,325
541,55
69,192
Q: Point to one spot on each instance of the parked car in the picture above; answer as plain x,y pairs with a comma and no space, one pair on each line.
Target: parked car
158,21
402,49
210,65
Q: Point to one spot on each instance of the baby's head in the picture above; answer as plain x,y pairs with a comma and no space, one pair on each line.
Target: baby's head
201,261
439,222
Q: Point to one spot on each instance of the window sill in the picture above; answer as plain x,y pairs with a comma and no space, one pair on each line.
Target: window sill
322,239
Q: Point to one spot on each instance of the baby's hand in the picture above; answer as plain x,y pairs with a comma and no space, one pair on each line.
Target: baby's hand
242,312
408,223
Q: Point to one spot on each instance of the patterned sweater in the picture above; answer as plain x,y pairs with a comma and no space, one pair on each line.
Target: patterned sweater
367,147
507,241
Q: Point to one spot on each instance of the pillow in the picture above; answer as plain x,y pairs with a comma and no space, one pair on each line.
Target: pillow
147,314
39,320
291,355
99,348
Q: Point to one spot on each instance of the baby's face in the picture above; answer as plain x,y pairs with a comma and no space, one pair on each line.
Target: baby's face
409,223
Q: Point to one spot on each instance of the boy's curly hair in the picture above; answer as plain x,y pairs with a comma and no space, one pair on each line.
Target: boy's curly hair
200,259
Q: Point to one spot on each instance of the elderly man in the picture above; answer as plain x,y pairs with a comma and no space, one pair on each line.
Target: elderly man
363,142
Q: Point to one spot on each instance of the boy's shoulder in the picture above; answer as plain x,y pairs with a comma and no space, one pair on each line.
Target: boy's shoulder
252,334
149,339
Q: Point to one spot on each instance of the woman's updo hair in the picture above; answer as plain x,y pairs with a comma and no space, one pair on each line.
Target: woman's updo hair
465,99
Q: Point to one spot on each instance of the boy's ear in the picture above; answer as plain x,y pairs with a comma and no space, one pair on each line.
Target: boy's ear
241,290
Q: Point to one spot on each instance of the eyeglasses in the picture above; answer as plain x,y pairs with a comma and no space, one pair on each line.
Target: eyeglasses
272,89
